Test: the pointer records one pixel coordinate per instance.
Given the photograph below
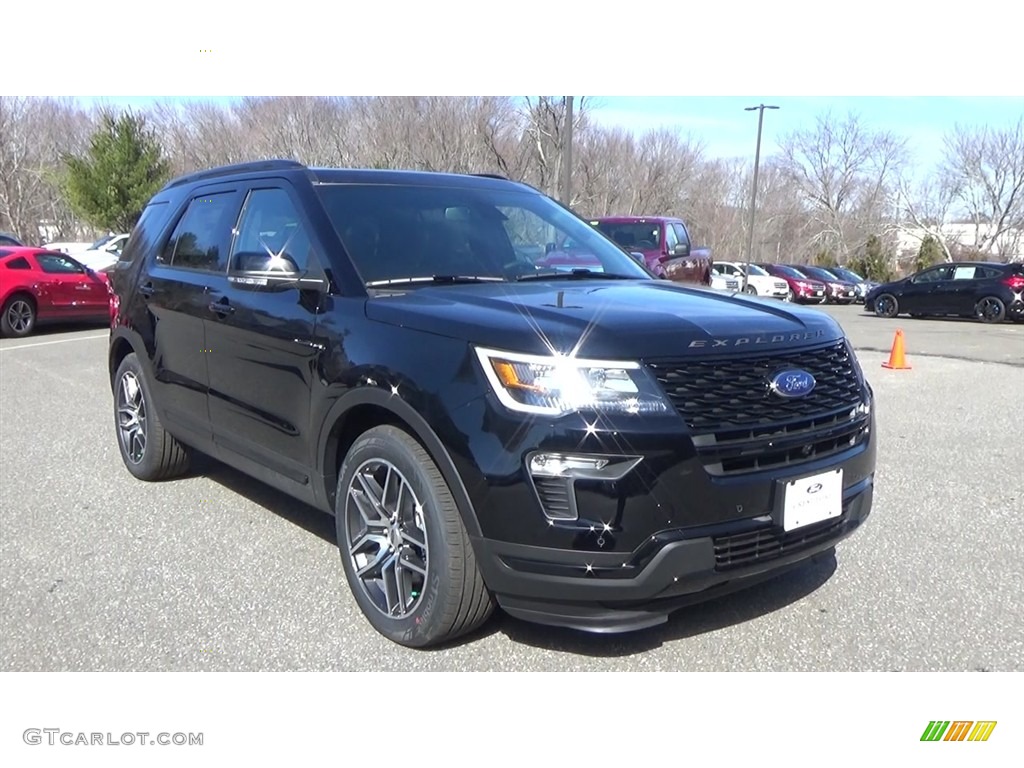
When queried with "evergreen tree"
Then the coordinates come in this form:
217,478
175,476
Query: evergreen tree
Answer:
873,262
123,167
930,253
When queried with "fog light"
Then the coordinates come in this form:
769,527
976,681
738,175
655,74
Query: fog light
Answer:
559,465
554,476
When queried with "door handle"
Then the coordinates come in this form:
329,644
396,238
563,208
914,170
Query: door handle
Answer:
221,307
147,290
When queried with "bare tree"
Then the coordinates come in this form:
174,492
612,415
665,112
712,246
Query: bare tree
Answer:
984,169
843,172
34,132
924,210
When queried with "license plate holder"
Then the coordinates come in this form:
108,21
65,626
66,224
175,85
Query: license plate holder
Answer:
812,499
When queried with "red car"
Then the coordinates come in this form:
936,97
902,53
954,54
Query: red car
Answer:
802,289
39,286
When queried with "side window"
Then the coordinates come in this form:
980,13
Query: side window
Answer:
966,273
118,245
198,240
681,234
934,275
671,239
142,230
19,263
271,236
53,264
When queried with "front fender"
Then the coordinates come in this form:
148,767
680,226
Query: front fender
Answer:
421,430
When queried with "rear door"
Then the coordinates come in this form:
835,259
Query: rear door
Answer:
177,290
957,294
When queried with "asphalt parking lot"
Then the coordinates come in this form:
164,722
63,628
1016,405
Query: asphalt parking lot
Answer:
100,572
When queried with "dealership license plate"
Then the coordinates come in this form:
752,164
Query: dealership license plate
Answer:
810,500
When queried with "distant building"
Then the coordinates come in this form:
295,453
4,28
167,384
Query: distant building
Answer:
963,235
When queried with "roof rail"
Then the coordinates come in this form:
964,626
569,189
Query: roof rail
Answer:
490,176
227,170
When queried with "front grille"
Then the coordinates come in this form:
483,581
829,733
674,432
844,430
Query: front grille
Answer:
764,544
740,426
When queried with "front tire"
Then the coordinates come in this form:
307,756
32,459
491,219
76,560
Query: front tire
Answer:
751,290
18,316
407,557
886,305
148,451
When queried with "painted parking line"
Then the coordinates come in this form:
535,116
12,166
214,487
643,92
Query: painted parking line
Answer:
57,341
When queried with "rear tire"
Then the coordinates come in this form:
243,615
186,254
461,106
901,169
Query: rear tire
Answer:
407,556
990,309
751,290
148,451
18,318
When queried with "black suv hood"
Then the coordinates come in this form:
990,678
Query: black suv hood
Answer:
625,319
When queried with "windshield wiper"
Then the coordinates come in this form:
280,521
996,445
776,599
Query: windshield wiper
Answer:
449,279
577,274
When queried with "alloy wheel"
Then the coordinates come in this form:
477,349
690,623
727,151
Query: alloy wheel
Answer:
387,539
131,418
19,316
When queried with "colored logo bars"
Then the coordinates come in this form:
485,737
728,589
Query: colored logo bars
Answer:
958,730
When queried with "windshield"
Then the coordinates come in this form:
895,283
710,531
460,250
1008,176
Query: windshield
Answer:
101,242
645,237
818,272
395,232
791,272
755,270
848,274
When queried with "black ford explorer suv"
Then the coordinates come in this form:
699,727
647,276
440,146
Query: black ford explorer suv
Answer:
591,449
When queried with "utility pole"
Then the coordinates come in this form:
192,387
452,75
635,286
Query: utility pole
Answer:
753,194
567,154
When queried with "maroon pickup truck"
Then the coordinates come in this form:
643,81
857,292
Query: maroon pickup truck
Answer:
663,241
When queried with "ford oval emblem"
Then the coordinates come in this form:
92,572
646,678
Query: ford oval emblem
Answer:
792,383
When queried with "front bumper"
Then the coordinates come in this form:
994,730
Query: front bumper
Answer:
679,568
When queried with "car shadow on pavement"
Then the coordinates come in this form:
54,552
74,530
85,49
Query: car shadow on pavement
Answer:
294,511
716,614
693,620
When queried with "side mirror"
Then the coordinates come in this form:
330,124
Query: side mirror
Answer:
261,271
638,258
681,249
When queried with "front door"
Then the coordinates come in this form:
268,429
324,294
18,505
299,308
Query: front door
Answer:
261,336
920,293
75,293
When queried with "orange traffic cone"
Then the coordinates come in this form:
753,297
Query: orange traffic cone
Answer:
897,357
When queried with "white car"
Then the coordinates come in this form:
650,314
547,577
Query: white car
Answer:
68,247
759,283
721,282
103,253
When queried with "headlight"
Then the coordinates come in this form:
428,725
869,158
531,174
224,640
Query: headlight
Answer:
553,385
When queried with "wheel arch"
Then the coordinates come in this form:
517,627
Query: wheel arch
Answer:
364,409
120,348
